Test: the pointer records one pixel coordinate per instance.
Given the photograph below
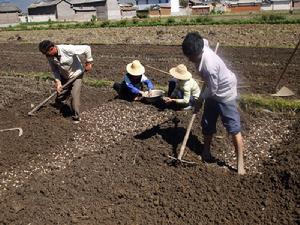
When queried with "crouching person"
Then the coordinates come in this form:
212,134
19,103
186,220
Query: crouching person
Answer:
132,88
65,65
183,89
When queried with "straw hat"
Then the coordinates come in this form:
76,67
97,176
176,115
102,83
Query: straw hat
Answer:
180,72
135,68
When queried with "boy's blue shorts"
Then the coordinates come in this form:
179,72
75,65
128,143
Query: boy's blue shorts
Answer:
229,115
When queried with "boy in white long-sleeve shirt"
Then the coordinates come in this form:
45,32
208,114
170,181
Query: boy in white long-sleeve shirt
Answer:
220,94
65,64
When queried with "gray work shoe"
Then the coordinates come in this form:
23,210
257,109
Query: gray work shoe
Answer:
188,108
76,120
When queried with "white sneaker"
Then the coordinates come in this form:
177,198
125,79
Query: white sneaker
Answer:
188,108
76,120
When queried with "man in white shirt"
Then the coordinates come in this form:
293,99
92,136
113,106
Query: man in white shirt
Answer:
220,94
65,64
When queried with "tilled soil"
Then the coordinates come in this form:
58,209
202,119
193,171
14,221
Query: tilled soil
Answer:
259,35
259,68
114,168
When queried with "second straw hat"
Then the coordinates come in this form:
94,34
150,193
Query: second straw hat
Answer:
180,72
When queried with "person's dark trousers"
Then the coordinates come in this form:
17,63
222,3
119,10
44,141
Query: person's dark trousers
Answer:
171,87
124,92
73,90
179,95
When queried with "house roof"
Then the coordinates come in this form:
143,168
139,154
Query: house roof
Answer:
84,9
200,7
148,6
45,3
201,2
84,1
243,2
8,7
125,2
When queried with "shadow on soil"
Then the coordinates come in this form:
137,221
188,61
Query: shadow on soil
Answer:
174,136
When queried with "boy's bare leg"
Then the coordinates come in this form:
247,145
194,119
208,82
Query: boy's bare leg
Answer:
237,140
206,155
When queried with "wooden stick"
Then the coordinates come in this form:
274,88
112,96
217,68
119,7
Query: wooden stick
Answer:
186,136
31,113
151,67
286,65
164,72
244,86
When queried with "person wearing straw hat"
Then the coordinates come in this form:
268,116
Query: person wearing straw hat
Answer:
183,89
219,94
132,86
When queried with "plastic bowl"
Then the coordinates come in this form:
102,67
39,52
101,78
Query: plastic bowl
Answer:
156,95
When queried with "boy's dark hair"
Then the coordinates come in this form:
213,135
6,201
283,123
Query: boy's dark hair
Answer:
45,45
192,44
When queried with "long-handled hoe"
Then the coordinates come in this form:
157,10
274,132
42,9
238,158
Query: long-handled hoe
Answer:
284,91
31,113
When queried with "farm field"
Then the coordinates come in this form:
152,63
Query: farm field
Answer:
113,168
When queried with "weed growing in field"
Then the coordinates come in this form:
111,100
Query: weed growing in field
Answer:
273,104
170,21
98,83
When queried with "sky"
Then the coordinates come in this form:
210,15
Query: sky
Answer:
22,4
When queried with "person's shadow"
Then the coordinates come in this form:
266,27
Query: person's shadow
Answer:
63,108
174,136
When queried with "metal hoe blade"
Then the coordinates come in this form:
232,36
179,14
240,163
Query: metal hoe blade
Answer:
15,128
181,160
283,92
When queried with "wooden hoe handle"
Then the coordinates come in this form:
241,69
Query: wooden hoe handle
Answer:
286,65
186,136
31,113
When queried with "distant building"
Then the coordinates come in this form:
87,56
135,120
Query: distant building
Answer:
200,9
128,8
74,10
277,5
296,4
160,10
244,6
9,13
166,7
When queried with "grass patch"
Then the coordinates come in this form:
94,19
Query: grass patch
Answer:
226,19
246,101
44,76
273,104
97,83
